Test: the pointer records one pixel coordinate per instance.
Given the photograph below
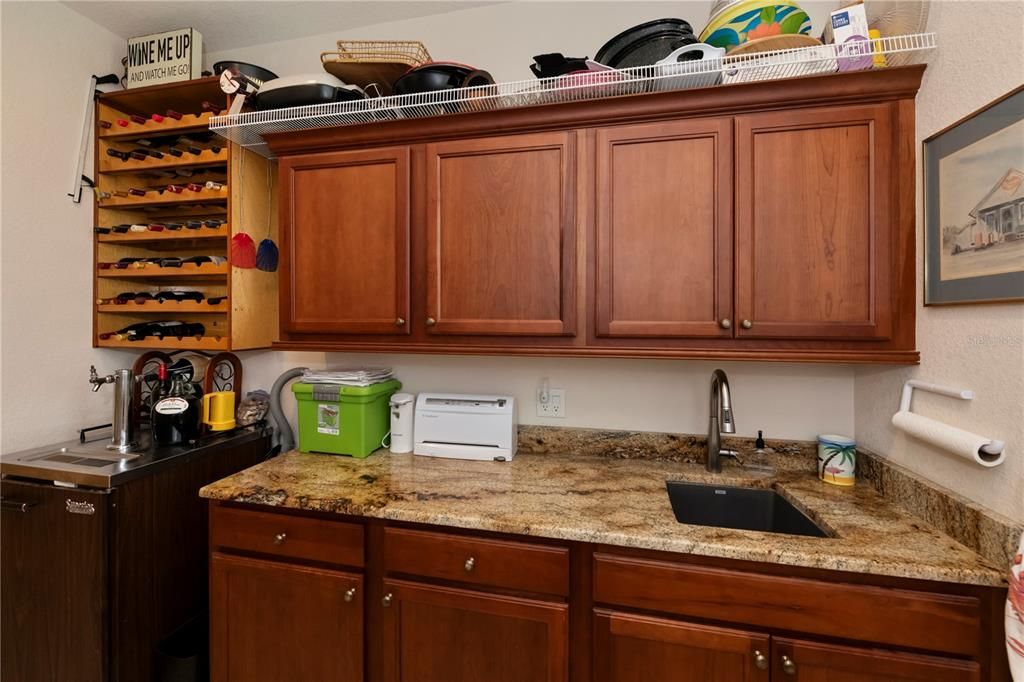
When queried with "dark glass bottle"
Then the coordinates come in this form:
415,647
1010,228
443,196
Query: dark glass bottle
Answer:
175,410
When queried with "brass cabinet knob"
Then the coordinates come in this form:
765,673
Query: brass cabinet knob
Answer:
280,538
760,660
399,321
350,594
386,601
788,666
470,564
746,324
431,322
725,323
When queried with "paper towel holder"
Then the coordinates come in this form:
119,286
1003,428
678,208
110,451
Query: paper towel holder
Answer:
994,448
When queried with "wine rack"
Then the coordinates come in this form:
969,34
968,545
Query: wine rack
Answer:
139,157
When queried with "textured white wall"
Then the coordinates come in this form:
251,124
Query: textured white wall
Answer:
979,347
499,38
48,53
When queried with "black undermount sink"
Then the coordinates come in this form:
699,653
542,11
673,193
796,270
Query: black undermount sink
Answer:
723,506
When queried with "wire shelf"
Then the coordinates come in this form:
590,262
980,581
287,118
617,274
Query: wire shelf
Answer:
248,129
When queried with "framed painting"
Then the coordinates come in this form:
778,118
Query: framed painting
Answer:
974,207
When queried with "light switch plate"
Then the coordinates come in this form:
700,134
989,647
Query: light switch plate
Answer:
555,406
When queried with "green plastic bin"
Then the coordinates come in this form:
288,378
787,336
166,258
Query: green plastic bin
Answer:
343,420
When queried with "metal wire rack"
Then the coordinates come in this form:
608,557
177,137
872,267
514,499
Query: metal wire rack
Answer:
247,129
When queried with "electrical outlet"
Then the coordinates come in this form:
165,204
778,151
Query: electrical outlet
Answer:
555,406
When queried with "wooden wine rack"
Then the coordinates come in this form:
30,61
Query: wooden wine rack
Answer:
247,317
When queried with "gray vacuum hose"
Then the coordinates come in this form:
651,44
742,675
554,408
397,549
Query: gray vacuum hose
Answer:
283,435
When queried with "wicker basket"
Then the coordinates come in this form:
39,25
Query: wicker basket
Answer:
362,62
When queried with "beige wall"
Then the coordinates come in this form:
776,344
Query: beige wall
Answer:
48,53
978,347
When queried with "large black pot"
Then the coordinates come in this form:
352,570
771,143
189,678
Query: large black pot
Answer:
250,70
438,76
646,43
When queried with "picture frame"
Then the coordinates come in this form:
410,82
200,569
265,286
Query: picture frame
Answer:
974,206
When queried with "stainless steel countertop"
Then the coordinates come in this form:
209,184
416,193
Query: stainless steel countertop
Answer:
92,465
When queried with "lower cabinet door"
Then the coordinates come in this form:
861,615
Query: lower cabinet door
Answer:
633,648
275,622
802,661
442,634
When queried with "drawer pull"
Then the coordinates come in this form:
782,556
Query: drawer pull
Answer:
386,601
746,324
399,321
350,594
788,666
470,564
280,538
431,322
760,660
725,323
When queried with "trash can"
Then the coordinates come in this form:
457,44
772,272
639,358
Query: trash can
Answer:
184,655
343,420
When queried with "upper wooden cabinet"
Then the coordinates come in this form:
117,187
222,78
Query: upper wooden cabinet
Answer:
501,235
345,243
766,221
664,229
814,223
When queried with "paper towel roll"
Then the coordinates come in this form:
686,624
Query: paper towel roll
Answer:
957,441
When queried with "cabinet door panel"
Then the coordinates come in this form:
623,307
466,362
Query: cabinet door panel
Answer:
814,223
346,242
501,235
440,634
632,648
830,663
664,229
275,622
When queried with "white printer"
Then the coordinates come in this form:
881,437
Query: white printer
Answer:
481,427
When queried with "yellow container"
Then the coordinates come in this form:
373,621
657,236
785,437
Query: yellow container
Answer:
219,410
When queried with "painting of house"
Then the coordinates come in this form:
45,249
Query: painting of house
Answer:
1002,209
981,206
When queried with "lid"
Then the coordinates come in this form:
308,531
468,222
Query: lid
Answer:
400,399
304,390
836,440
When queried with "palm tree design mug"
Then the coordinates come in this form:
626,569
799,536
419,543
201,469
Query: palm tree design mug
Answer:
837,459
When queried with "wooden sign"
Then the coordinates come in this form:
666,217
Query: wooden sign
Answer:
165,57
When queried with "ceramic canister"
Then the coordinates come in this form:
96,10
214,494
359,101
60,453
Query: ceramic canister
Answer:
837,459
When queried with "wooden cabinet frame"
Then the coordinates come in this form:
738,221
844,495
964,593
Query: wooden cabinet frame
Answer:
397,323
877,119
726,606
437,153
587,324
719,131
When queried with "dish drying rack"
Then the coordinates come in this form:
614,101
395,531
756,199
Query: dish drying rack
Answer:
248,129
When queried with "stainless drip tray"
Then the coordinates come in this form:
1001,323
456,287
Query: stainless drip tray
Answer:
84,457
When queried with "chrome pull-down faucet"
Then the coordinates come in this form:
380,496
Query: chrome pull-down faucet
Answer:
721,420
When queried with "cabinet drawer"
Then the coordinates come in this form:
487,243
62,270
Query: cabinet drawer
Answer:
899,617
498,563
295,537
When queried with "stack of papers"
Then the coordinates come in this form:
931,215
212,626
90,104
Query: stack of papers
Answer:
355,376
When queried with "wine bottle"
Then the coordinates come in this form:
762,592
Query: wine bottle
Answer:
174,414
133,332
138,119
118,154
171,113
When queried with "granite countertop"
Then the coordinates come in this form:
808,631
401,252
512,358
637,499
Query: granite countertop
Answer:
614,500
